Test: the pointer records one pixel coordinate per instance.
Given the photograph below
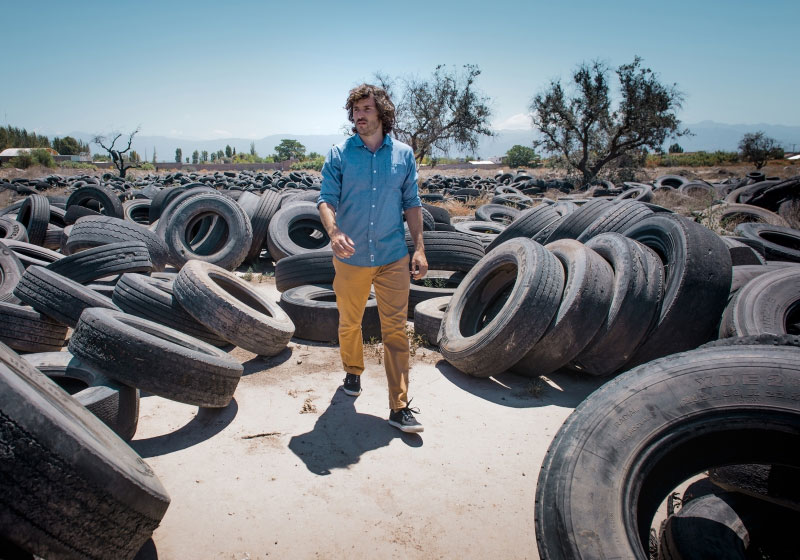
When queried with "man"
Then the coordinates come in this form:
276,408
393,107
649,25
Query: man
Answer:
369,182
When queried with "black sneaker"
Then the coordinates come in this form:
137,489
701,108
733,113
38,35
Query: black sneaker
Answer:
404,420
352,384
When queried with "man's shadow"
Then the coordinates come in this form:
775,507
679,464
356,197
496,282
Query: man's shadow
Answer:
341,435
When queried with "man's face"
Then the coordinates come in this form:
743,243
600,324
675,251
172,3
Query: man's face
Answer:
365,117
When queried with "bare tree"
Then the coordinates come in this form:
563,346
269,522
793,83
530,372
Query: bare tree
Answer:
118,157
441,112
588,133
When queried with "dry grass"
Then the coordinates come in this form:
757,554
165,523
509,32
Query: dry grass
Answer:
681,203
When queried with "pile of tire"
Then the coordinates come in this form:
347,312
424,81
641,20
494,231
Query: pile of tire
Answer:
133,327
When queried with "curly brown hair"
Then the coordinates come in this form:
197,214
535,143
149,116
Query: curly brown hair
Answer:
386,112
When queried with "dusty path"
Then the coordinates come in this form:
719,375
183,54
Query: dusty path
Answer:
293,468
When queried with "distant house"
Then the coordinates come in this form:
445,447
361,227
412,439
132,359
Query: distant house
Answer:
9,153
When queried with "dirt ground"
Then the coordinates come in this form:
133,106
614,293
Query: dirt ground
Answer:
294,468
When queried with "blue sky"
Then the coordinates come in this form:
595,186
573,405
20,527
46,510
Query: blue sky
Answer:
206,70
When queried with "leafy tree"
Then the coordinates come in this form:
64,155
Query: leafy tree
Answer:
675,148
289,149
121,161
220,154
187,159
228,151
588,134
12,137
195,157
758,148
253,149
204,155
135,158
178,155
522,156
440,112
69,146
213,157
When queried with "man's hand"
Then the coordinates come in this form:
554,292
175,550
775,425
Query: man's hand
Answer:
341,245
418,265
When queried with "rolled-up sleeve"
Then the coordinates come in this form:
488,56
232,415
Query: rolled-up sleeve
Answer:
410,190
331,188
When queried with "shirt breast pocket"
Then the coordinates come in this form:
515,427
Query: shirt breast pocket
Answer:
397,174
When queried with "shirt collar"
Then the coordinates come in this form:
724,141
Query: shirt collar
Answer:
387,141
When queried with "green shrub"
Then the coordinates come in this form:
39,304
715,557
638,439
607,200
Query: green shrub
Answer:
22,161
314,164
147,166
77,165
692,159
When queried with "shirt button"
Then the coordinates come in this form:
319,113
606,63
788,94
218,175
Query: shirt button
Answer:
371,223
373,188
374,170
373,206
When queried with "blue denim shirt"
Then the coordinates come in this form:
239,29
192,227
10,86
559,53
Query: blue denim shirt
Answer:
369,192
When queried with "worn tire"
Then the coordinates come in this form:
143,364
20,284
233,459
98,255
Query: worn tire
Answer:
618,218
698,278
584,306
231,308
780,243
572,225
34,214
100,195
152,299
313,311
428,315
231,225
12,230
637,289
767,304
26,330
93,231
527,224
303,269
633,440
29,254
449,250
155,358
296,229
70,487
57,296
496,213
115,404
268,205
501,308
106,260
11,271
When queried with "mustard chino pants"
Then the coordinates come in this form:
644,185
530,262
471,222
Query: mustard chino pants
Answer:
352,286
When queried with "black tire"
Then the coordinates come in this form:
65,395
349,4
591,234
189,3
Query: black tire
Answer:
780,243
527,224
70,487
767,304
313,311
268,205
29,254
115,404
746,213
296,229
435,284
743,273
93,231
11,270
638,436
670,182
303,269
58,297
440,215
428,315
137,210
26,330
155,358
698,278
584,306
231,225
486,232
12,230
74,213
618,218
159,226
575,223
34,214
741,253
775,484
636,191
161,200
102,198
152,299
106,260
453,251
231,308
637,290
501,308
496,213
709,526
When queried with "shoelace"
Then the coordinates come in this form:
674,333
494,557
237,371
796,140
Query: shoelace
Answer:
408,410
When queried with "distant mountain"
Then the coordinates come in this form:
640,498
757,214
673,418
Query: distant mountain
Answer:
707,135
